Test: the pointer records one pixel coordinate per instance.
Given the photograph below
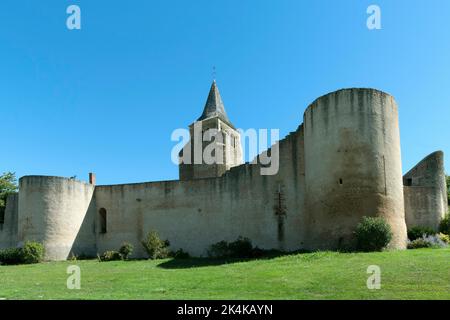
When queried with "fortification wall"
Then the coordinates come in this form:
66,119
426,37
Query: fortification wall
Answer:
425,192
52,210
8,230
195,214
342,164
352,165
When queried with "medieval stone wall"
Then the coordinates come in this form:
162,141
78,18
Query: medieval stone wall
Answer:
52,211
425,192
194,214
8,230
341,164
353,166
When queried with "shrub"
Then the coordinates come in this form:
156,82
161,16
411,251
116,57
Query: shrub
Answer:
241,248
126,250
444,226
110,255
444,237
373,234
72,257
219,249
155,247
436,241
11,256
33,252
81,256
432,241
417,232
419,243
180,254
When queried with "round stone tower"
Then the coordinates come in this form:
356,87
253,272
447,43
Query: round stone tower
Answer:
52,211
352,167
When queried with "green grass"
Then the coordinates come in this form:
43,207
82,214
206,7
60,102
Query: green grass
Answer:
411,274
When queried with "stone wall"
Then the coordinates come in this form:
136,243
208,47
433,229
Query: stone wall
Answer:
341,164
8,230
194,214
353,166
425,192
52,210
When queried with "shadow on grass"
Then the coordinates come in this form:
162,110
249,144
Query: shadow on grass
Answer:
207,262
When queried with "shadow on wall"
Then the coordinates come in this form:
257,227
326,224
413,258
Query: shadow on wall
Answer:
85,243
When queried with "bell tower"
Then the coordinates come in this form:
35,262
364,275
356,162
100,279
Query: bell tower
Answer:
215,144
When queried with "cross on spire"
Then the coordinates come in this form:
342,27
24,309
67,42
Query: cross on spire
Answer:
214,73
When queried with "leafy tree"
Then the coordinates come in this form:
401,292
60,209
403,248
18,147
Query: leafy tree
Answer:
448,189
8,185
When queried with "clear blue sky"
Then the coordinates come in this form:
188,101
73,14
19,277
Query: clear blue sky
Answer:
106,98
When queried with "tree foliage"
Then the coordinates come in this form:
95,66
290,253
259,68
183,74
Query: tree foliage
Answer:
8,185
448,189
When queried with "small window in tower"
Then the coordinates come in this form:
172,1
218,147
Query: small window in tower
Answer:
340,181
102,214
409,182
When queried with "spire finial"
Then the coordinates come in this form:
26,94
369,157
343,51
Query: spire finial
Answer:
214,73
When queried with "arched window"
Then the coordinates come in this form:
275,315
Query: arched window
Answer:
102,214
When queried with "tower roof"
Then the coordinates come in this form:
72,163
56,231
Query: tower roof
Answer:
214,106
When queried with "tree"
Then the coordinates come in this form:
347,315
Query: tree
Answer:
8,185
448,189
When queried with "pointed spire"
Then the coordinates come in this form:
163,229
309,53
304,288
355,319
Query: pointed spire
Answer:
214,106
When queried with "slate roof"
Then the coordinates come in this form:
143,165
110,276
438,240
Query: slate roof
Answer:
214,106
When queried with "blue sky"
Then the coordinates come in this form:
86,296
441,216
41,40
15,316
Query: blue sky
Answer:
106,98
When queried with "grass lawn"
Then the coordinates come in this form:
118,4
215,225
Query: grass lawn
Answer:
411,274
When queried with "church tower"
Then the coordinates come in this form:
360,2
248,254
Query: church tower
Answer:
215,144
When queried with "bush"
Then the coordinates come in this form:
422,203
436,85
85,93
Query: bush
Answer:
180,254
444,226
72,257
373,234
126,250
155,247
417,232
219,249
432,241
81,256
419,243
444,237
11,256
33,252
110,255
241,248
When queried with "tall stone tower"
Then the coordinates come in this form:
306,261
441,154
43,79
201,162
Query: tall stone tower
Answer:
215,144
